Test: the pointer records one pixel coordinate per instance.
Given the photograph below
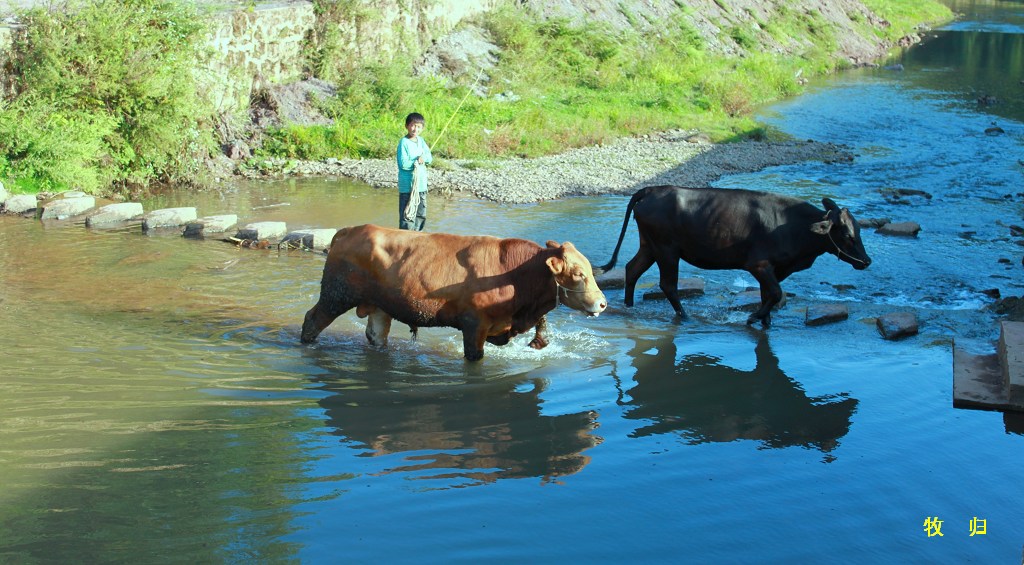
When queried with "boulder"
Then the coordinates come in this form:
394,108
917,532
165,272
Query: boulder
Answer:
113,214
897,325
906,229
4,195
821,314
688,288
168,218
63,208
262,230
20,203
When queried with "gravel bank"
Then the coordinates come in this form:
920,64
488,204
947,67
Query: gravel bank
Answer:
620,167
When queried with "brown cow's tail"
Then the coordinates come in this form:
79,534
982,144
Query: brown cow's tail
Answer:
625,224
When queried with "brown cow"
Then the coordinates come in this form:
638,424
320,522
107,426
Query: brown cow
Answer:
492,289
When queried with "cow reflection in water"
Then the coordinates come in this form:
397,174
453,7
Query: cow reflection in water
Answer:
465,434
706,401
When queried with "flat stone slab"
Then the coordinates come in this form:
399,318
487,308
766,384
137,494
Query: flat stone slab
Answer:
688,288
263,230
20,203
978,381
821,314
611,280
1011,357
168,218
63,208
308,239
905,229
210,224
113,214
897,325
748,301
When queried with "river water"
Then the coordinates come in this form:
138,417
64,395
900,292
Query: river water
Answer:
156,406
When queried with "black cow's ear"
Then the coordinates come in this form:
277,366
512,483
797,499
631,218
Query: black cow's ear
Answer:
829,204
822,227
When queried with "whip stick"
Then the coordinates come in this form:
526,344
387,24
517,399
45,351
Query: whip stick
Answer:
470,91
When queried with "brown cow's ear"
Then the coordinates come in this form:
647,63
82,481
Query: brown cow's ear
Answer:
553,244
821,228
556,264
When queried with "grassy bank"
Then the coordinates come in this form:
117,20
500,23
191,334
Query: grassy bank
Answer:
101,94
582,85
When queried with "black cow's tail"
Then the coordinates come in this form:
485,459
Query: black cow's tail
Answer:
625,224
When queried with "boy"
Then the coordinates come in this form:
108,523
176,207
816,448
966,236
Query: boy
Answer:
413,156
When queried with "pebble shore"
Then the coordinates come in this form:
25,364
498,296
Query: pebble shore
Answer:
620,167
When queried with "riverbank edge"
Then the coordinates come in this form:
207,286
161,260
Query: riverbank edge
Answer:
620,167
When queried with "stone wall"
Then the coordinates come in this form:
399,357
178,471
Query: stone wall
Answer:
261,43
249,48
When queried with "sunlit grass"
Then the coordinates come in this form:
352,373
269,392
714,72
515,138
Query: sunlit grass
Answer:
577,85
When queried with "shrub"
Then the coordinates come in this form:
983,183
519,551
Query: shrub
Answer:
104,94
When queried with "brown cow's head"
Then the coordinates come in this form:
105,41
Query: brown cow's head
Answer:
844,233
574,278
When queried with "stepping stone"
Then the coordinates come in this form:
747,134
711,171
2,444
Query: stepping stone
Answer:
905,229
748,300
308,239
1011,356
262,230
113,214
897,325
168,218
977,381
994,381
688,288
210,224
613,279
821,314
63,208
20,203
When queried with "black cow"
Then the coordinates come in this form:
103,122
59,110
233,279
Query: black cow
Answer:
768,235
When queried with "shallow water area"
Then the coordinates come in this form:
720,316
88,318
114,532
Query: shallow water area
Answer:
156,404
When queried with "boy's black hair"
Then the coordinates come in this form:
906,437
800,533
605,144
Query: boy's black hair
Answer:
414,117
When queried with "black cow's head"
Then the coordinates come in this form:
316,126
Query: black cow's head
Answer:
844,233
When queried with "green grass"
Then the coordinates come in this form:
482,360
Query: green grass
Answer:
580,85
102,95
904,15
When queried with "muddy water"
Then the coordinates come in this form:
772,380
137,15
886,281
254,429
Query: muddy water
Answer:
155,404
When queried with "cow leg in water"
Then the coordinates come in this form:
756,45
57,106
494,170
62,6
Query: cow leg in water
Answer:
319,317
378,326
539,340
771,293
669,282
636,267
335,299
474,334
